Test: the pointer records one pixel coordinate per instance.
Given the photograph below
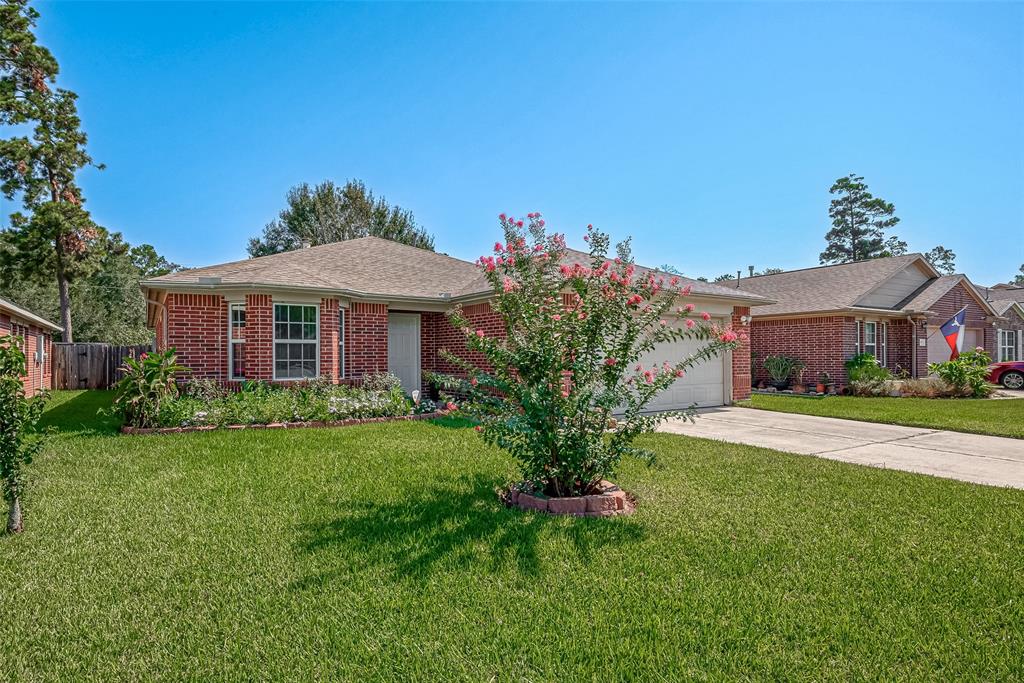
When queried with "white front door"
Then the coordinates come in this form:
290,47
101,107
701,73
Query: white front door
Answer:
404,349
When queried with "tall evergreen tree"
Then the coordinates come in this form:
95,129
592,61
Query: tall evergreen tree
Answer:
328,213
57,239
1019,278
859,222
942,260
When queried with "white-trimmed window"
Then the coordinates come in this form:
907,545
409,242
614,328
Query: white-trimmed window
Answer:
341,342
296,341
873,338
236,341
1008,345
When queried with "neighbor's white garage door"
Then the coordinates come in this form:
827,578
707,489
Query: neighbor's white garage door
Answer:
704,384
938,349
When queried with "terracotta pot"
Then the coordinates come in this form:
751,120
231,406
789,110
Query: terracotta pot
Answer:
820,388
799,388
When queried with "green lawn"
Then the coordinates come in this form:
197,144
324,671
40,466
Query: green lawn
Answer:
379,552
978,416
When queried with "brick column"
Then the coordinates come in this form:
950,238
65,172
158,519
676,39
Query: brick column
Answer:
366,339
329,339
198,330
741,376
259,336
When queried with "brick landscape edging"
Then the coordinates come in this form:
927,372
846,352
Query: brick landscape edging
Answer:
611,502
282,425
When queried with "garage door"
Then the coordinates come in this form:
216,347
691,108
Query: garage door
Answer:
704,384
938,349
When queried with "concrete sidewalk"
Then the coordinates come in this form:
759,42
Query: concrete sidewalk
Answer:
994,460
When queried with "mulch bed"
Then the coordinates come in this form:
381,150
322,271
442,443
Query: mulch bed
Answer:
282,425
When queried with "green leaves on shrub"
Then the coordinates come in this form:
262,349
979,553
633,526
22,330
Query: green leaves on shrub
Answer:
864,367
967,374
19,441
147,384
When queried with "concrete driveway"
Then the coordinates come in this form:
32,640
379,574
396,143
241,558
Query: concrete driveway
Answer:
994,460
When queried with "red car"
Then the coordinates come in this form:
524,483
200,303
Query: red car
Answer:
1008,373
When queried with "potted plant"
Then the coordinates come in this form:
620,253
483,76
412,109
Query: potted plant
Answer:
798,369
824,382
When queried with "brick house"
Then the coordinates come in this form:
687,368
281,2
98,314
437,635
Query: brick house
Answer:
889,307
1008,302
367,305
37,342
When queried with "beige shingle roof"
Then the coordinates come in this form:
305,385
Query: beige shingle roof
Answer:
374,267
12,308
368,265
932,291
824,288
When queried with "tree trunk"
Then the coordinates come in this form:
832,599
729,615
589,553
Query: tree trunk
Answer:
64,289
15,524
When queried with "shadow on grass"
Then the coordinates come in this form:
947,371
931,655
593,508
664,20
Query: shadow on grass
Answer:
77,412
459,525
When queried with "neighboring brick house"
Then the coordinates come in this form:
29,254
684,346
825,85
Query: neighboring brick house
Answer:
350,308
37,343
1008,302
889,307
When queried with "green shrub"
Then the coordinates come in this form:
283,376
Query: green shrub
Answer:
781,368
864,367
381,381
19,441
147,384
967,375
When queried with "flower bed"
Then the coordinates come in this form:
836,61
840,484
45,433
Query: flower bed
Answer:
126,429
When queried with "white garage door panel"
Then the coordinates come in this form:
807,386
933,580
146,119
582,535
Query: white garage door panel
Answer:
704,384
938,349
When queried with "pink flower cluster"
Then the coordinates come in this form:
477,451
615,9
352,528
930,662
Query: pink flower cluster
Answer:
651,374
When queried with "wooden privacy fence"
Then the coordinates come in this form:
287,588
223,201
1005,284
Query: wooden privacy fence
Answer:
90,366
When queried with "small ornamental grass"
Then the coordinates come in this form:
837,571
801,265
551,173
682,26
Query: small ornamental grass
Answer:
565,389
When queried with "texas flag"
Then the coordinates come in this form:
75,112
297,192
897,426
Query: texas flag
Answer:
952,330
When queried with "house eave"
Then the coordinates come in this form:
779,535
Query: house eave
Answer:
20,312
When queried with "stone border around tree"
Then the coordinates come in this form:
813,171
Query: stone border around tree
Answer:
281,425
610,502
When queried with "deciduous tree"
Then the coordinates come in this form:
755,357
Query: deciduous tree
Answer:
942,260
327,213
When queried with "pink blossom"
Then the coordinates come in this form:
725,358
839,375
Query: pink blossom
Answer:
498,248
478,428
501,216
556,317
685,291
609,361
663,322
565,270
639,367
649,377
565,392
538,247
689,308
634,300
480,333
474,381
705,315
729,336
586,238
519,224
679,373
541,222
581,315
689,324
451,406
508,285
673,282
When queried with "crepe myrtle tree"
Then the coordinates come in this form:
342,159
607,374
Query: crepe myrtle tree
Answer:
564,389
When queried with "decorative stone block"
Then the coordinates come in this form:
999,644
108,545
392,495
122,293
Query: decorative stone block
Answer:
575,505
530,502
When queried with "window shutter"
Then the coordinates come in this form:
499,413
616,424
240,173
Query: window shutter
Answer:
885,344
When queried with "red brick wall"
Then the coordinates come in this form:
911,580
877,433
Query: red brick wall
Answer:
329,338
741,374
259,337
823,343
479,317
39,376
197,328
430,323
366,339
955,299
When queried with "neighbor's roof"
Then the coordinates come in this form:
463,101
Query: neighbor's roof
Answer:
823,288
373,267
696,286
12,308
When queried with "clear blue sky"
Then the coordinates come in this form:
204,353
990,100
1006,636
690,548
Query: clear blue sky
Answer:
709,132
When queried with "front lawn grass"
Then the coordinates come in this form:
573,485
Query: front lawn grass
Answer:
380,552
1003,417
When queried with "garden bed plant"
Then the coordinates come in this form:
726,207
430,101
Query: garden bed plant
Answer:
150,398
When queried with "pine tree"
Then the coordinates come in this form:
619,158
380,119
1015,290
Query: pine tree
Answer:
859,221
942,260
